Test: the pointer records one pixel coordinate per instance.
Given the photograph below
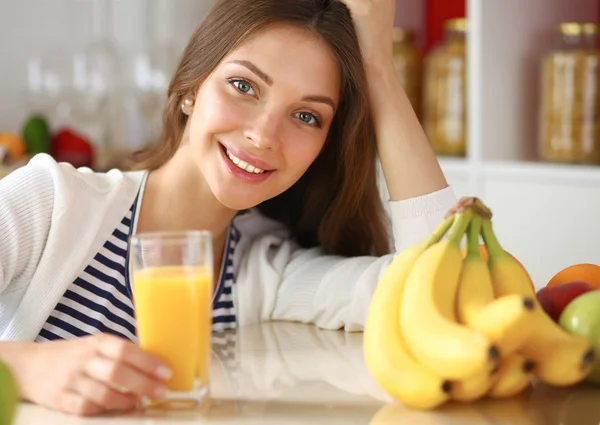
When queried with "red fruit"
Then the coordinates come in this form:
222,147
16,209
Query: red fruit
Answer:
69,146
554,299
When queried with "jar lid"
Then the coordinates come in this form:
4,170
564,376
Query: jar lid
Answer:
590,28
400,35
457,24
570,28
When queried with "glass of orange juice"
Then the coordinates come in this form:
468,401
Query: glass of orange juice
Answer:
172,282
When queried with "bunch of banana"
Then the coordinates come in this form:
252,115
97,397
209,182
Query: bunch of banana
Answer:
445,326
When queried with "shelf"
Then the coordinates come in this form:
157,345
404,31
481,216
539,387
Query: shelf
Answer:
454,164
504,71
546,172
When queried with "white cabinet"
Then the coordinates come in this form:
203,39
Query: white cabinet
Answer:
548,224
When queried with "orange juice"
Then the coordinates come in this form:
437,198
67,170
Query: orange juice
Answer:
174,314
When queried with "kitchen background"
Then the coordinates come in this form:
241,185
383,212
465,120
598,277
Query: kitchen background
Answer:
509,99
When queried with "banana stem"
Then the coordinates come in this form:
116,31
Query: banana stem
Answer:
494,248
473,236
460,225
435,236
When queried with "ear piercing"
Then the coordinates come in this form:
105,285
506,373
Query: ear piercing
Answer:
187,106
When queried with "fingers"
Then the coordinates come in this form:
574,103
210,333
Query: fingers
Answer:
113,376
76,404
99,394
124,351
117,373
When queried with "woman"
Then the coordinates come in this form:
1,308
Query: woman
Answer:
272,126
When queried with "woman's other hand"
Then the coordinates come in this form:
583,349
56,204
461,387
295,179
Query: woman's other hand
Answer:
374,22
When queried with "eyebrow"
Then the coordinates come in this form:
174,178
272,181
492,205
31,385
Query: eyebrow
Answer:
269,81
320,99
262,75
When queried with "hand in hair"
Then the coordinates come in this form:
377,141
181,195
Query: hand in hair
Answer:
409,164
373,21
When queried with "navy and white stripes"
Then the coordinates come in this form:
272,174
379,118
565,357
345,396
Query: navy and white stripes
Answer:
100,299
223,308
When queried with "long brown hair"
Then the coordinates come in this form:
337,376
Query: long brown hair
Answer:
336,203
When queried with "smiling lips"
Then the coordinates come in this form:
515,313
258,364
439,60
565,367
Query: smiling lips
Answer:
242,168
243,164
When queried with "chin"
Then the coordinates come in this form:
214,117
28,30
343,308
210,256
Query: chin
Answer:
236,199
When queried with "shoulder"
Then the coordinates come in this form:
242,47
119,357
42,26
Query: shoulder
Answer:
65,175
69,191
43,175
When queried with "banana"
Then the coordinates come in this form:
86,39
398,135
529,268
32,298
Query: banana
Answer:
514,376
386,355
444,346
472,388
505,320
561,359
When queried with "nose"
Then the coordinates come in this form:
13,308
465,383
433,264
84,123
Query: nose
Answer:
264,131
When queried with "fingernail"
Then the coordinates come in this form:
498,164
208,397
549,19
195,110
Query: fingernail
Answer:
160,392
163,372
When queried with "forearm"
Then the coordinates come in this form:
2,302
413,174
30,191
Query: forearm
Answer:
18,356
409,164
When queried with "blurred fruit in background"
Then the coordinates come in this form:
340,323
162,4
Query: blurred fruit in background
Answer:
555,298
13,148
36,133
70,146
64,145
585,272
582,317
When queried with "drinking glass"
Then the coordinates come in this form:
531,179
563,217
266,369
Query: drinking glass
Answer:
172,282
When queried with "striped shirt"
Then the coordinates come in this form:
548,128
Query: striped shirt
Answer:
100,299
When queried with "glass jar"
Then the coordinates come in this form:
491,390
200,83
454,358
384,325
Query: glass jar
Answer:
445,91
408,62
569,119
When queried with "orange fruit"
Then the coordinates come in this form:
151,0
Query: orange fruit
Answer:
14,145
585,272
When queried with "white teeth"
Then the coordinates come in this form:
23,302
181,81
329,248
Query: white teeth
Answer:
243,164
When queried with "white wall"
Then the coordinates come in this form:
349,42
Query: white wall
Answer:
55,27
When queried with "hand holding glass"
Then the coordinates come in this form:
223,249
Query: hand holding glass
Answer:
172,293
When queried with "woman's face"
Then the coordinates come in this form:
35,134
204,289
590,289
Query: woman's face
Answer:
262,116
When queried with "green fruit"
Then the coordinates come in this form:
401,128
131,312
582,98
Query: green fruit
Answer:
36,134
582,317
9,395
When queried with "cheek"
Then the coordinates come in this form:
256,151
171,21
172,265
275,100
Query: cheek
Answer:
302,150
214,113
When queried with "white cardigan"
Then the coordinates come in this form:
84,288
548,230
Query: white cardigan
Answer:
54,218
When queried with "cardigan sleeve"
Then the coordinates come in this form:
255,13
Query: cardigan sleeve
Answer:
278,280
26,204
